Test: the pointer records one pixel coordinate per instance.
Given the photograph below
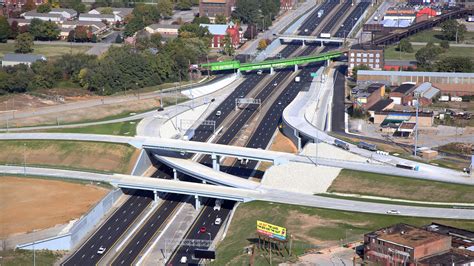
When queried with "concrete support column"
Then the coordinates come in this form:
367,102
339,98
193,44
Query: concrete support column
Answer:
296,68
156,197
204,182
175,174
272,71
238,72
322,44
304,44
215,162
197,203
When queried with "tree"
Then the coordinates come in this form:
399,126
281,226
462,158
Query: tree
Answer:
5,30
405,46
118,39
247,11
106,11
94,38
228,47
165,7
155,40
357,68
220,19
24,43
29,5
455,64
251,32
142,16
193,30
44,8
262,44
14,30
81,34
142,40
444,44
427,55
183,5
201,20
453,31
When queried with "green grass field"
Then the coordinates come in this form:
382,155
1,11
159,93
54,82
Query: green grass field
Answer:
311,228
25,257
354,182
437,36
49,51
391,53
121,128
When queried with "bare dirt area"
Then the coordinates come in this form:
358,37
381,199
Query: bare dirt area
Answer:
97,156
94,113
280,143
29,204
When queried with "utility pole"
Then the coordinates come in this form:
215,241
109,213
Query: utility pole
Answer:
417,97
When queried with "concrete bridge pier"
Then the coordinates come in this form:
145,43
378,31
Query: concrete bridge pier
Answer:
272,71
322,44
215,161
175,174
296,68
156,197
303,44
197,202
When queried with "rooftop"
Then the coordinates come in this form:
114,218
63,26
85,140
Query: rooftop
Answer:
68,10
374,86
404,88
27,58
413,73
163,26
98,24
407,235
381,105
365,47
427,90
453,257
461,237
86,15
216,29
41,15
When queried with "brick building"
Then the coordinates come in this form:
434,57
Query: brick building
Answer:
371,95
212,8
371,56
425,119
403,244
220,31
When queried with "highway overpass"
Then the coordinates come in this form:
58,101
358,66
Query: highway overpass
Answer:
263,193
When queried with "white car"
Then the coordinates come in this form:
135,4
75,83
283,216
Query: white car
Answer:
183,260
218,221
275,84
393,212
101,250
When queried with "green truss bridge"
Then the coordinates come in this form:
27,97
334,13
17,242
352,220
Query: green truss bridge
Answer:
271,64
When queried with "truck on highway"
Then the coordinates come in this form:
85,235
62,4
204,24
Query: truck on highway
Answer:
367,146
297,79
325,35
341,144
444,98
407,166
320,13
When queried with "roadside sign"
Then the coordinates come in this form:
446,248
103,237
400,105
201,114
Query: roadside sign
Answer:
271,230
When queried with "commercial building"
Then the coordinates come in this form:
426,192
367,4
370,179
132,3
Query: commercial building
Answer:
425,119
367,97
401,94
213,8
94,27
449,83
119,13
67,13
109,18
371,56
17,59
164,29
403,244
58,18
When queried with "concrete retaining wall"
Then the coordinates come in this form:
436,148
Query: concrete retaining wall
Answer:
143,164
62,242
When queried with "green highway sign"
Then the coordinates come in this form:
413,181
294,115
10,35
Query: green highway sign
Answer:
313,74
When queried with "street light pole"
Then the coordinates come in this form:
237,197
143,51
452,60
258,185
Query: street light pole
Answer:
24,159
417,97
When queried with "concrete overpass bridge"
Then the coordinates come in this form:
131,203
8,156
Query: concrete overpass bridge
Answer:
262,193
313,39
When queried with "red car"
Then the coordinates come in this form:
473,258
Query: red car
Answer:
202,230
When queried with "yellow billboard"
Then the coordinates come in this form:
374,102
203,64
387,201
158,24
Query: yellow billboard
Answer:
271,230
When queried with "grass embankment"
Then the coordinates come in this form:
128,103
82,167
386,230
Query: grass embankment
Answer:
121,128
391,53
310,227
49,51
90,156
354,182
25,257
437,36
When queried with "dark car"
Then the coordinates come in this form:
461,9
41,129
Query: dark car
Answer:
160,109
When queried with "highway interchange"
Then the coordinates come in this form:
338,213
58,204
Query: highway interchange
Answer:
261,87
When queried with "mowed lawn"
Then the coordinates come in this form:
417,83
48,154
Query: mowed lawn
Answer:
312,229
391,53
49,51
437,36
80,155
354,182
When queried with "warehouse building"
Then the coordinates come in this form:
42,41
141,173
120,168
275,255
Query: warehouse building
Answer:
449,83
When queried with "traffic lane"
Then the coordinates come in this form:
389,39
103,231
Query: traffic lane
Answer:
206,219
350,21
130,253
111,230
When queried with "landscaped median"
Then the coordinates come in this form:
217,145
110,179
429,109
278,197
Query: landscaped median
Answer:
78,155
311,228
